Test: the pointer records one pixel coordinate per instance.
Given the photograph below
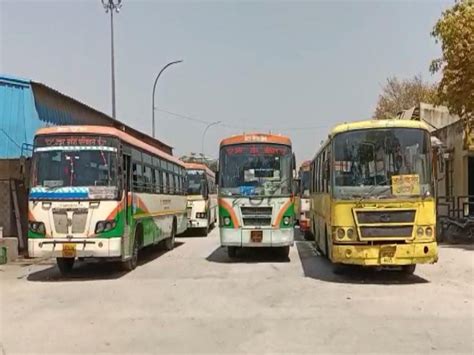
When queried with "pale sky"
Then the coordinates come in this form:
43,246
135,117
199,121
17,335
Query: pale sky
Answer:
295,68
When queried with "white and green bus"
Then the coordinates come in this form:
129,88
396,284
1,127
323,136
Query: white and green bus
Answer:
202,197
256,204
100,192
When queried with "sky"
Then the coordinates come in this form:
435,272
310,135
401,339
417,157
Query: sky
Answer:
289,67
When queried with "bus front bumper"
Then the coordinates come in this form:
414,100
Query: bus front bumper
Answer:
270,237
386,254
81,248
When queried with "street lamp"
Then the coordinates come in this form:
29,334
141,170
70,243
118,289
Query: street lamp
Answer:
111,6
204,133
153,94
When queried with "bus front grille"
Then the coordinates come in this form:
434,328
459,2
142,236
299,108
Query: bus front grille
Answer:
257,221
256,216
79,219
397,216
387,232
60,222
77,223
189,212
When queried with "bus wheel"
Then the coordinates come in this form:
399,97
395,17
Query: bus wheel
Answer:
132,262
409,269
169,242
232,252
65,265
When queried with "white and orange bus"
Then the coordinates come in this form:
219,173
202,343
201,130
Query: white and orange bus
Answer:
202,197
256,204
99,192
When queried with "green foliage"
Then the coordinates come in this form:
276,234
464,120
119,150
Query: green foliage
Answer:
398,95
455,31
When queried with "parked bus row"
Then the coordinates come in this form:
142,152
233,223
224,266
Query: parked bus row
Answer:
366,197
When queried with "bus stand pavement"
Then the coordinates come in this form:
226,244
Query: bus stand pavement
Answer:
194,299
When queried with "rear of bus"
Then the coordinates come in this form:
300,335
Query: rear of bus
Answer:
201,197
256,206
304,199
381,205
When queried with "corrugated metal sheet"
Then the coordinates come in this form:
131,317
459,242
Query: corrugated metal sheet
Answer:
26,106
18,117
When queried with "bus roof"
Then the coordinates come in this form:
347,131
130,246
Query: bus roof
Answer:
256,138
199,166
367,124
109,131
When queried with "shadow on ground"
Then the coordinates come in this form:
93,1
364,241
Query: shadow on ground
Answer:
96,270
195,233
320,268
247,255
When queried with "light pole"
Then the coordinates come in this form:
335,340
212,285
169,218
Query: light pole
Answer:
111,6
153,94
204,133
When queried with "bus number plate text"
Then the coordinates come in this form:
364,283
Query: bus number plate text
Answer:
69,250
256,236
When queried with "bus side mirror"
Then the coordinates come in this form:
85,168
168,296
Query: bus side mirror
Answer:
293,162
217,178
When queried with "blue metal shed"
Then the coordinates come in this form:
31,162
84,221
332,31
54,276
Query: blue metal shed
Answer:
26,106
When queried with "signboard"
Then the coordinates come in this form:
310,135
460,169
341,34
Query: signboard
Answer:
73,140
405,185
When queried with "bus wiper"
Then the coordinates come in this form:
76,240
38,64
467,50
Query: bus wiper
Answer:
372,189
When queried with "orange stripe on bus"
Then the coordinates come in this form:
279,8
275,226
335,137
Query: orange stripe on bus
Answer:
231,211
282,211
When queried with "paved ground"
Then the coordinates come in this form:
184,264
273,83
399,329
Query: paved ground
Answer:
193,299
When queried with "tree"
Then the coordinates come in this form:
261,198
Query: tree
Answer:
455,31
398,95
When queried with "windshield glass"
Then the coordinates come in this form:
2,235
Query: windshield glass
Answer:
255,169
382,163
195,178
305,183
63,162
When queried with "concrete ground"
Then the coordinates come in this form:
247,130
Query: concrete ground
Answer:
195,300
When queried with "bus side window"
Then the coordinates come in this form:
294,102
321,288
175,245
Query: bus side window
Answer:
147,185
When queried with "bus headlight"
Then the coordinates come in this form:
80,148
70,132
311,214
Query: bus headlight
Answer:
419,231
104,226
340,233
200,214
286,220
37,227
226,221
429,231
350,233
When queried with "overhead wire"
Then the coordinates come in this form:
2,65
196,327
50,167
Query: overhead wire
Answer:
239,127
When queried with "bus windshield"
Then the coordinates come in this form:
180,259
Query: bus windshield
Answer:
195,179
382,163
58,164
259,169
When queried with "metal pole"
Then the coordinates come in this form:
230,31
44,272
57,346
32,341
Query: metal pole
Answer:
112,5
204,133
113,61
153,95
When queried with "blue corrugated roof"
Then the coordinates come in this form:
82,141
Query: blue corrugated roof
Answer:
18,117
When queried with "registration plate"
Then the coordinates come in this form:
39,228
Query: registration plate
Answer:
387,254
256,236
69,250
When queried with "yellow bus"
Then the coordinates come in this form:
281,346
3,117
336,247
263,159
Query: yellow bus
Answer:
372,199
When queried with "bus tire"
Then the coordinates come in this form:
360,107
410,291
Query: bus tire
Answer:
409,269
232,252
169,242
308,236
132,262
65,265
